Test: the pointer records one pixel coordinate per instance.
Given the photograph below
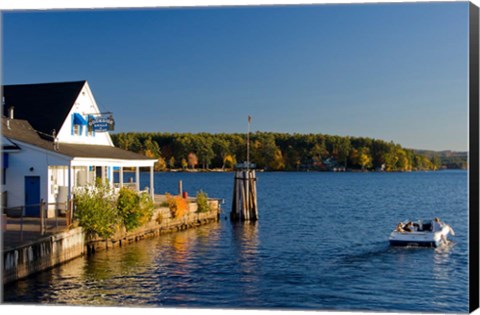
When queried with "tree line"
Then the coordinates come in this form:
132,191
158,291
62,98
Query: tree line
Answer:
274,151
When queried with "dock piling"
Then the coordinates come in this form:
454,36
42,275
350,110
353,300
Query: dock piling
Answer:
244,201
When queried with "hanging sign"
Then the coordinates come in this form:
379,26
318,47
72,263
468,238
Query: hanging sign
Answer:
101,123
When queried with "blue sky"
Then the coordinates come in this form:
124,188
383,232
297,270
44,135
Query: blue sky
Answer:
397,72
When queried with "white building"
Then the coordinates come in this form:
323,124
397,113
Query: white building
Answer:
55,139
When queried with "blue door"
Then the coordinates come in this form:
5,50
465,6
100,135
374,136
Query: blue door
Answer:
32,196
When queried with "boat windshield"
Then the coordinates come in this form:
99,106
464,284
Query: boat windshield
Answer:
426,226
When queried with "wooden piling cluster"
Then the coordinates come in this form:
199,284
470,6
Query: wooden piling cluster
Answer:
244,201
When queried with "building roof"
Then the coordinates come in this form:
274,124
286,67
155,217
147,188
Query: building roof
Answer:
45,106
8,145
21,130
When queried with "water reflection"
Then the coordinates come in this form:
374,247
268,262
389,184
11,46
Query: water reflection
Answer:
325,252
441,262
179,271
117,262
246,244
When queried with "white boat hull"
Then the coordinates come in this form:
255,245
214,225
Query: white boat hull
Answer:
422,238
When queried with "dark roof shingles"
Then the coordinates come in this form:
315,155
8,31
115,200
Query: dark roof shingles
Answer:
45,106
21,130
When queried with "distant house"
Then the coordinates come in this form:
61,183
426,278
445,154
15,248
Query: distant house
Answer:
54,140
331,164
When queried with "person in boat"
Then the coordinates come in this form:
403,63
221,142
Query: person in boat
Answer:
409,227
416,226
400,227
437,224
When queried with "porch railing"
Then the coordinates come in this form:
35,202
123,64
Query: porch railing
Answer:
15,220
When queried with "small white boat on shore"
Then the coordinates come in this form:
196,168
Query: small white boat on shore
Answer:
428,233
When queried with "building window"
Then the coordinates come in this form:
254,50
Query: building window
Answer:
77,123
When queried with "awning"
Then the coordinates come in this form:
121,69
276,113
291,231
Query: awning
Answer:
79,120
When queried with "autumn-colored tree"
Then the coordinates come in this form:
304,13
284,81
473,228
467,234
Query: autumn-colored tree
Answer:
277,163
391,159
171,162
192,160
423,163
160,165
221,150
403,164
184,163
364,158
435,162
151,148
229,161
308,150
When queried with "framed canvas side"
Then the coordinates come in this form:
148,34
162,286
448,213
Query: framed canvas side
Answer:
474,158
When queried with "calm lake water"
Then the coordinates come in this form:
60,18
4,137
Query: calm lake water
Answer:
321,243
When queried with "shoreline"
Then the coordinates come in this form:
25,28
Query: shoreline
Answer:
296,171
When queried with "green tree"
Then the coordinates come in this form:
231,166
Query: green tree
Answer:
265,151
292,159
343,147
128,141
220,150
204,151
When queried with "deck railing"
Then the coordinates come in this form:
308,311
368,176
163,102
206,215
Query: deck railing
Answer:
14,219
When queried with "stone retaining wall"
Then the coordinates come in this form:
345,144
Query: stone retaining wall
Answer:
161,222
51,251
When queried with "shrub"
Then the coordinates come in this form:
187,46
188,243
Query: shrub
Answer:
134,210
146,207
96,211
127,205
202,202
164,204
100,212
178,205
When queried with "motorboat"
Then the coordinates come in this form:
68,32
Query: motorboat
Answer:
428,233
